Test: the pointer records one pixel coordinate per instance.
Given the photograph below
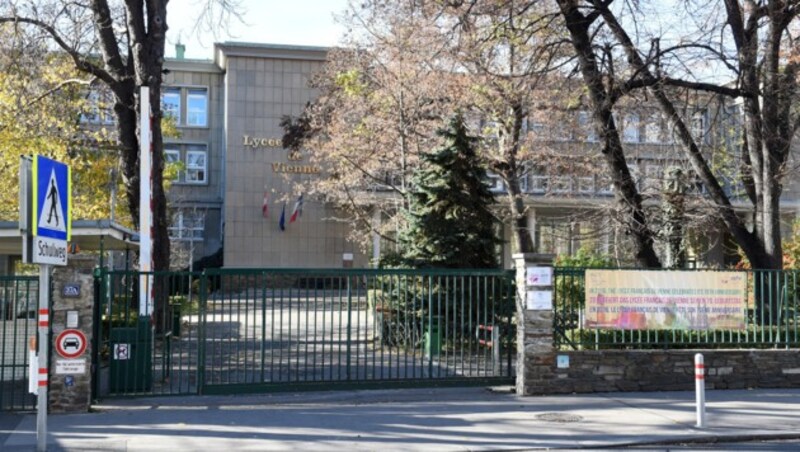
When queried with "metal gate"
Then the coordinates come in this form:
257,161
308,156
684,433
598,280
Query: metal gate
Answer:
19,300
277,329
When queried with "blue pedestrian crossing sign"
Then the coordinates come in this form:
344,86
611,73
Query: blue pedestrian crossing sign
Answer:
52,210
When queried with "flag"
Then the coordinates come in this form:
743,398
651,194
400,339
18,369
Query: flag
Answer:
265,206
298,209
282,222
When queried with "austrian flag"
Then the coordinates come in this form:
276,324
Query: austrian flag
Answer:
298,209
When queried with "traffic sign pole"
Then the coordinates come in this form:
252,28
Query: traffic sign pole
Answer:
44,327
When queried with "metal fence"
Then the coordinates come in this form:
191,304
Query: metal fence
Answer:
272,329
19,299
772,318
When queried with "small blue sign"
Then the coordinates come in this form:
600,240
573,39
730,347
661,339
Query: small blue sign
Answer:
51,199
69,381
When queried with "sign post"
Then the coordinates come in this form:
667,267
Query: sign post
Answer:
45,223
44,352
145,206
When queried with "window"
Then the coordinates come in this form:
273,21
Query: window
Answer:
523,183
605,186
652,129
561,184
188,106
654,177
636,174
98,108
495,182
585,185
630,131
196,164
539,183
699,126
586,125
193,160
172,157
171,103
536,128
187,225
197,107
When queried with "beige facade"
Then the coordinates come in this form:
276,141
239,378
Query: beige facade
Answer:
251,87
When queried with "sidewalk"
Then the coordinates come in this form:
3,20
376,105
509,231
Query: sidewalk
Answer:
418,419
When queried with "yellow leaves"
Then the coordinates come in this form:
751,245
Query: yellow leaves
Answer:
350,82
39,115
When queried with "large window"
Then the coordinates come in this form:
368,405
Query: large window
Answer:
196,164
187,224
188,106
197,107
192,160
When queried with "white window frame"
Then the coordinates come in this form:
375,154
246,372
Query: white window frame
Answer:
653,176
201,169
186,233
523,183
630,129
176,152
557,181
586,125
95,114
636,174
495,182
699,126
653,129
539,184
192,92
605,186
167,92
585,185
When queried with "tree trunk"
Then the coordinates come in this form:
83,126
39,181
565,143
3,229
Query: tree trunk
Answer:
625,187
520,233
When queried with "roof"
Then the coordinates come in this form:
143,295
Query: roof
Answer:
223,50
89,235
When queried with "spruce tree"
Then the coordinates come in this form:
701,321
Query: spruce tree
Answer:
449,220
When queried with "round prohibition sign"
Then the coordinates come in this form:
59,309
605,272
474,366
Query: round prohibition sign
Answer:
71,344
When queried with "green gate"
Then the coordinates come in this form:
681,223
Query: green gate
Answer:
278,329
19,300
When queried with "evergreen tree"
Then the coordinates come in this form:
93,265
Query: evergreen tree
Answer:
450,223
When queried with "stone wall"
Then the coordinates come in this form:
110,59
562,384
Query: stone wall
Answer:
71,393
668,370
543,370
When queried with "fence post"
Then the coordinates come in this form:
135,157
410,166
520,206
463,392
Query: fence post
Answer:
72,313
535,348
496,347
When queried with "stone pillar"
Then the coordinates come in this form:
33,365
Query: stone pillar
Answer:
536,357
72,308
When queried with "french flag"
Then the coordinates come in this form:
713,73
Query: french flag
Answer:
265,206
298,209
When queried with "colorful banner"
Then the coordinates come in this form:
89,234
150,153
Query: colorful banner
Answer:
665,300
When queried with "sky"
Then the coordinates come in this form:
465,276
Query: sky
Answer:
298,22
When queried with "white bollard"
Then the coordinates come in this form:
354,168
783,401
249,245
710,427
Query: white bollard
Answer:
700,389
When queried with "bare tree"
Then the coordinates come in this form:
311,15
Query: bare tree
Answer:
411,64
738,51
